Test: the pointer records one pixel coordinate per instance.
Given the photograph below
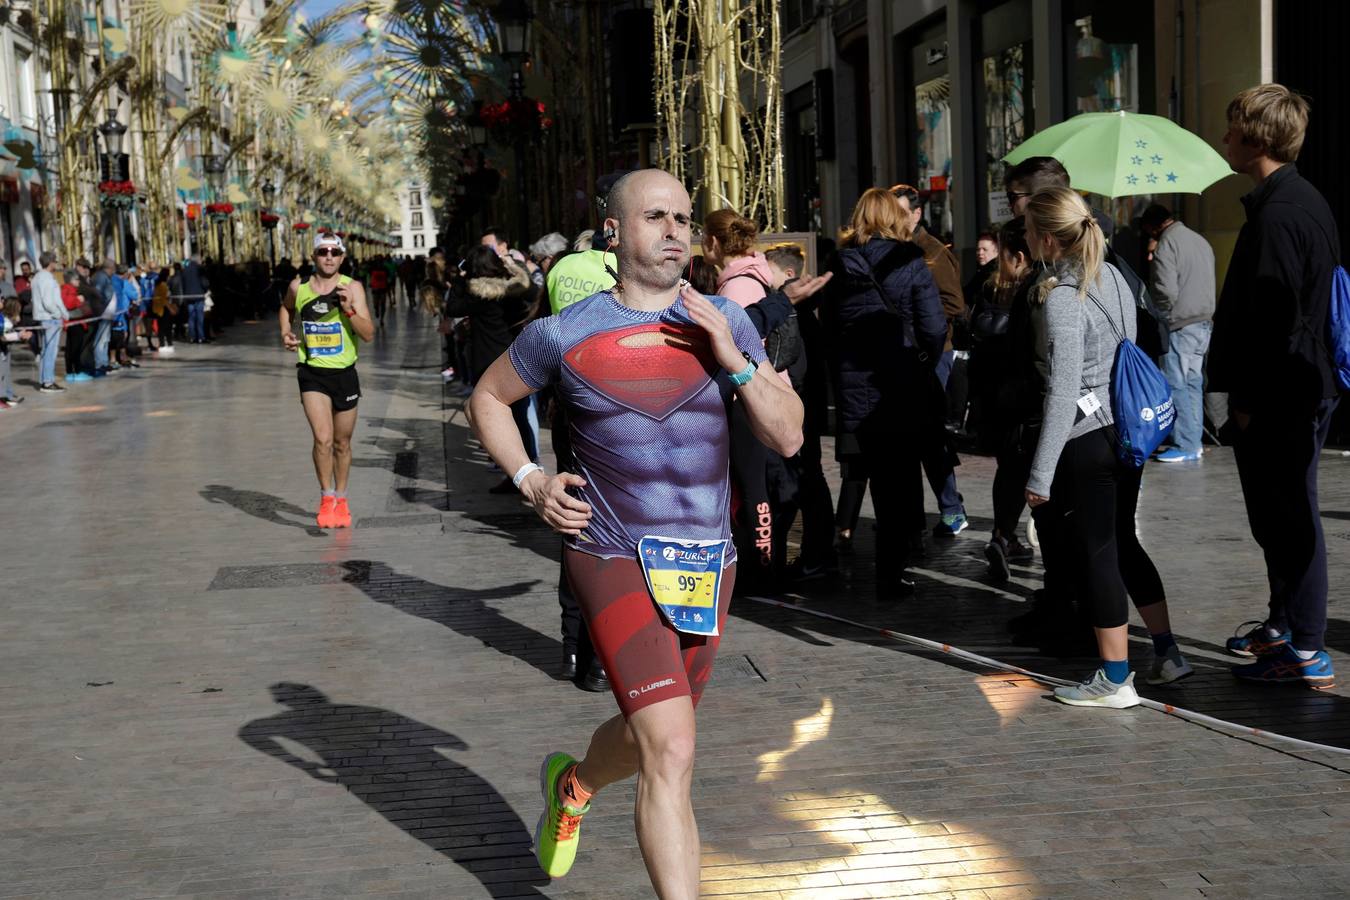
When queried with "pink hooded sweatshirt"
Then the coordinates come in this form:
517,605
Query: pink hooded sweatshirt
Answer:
740,281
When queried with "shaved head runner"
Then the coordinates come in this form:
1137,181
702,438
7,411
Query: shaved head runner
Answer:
647,371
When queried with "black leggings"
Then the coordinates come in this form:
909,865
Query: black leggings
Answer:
164,328
1089,522
895,475
852,488
1016,447
74,348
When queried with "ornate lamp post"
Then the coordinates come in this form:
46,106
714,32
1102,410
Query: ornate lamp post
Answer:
513,32
214,167
269,221
117,172
477,128
300,226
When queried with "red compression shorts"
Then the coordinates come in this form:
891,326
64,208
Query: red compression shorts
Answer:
647,661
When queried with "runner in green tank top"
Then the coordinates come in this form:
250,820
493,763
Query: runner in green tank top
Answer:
332,313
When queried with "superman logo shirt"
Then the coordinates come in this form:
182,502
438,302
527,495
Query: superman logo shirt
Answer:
647,408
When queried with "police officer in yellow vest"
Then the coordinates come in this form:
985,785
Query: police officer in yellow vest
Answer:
332,313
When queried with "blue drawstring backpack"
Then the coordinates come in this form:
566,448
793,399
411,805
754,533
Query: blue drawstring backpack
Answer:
1338,322
1141,399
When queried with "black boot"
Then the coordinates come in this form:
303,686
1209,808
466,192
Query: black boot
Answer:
568,670
596,680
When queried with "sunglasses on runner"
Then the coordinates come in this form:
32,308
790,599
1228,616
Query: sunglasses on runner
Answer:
328,251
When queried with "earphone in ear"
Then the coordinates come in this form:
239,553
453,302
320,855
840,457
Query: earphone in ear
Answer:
611,235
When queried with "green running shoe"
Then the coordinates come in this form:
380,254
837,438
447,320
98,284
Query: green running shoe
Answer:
559,829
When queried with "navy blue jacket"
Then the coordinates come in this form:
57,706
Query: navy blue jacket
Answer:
882,350
194,282
1269,347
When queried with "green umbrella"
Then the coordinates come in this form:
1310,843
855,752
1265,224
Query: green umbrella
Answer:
1119,153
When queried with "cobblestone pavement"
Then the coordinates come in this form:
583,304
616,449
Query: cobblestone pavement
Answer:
202,694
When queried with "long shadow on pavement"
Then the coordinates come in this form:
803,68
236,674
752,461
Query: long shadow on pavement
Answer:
263,506
393,764
955,604
461,610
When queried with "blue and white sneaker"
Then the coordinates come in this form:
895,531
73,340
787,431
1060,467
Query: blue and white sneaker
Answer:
1176,454
1100,691
1169,667
1260,641
1285,666
951,526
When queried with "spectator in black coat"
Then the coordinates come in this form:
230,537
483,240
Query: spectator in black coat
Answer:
884,330
1269,352
492,299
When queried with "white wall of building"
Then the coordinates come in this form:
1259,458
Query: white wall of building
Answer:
416,228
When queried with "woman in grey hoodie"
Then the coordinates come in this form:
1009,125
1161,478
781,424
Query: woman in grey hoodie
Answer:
1078,485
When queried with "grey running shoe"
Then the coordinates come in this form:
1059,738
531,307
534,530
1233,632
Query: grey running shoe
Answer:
1169,667
1100,691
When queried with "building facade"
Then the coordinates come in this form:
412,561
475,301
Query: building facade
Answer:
416,231
22,110
934,92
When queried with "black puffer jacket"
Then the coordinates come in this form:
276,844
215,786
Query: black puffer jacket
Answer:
488,304
882,350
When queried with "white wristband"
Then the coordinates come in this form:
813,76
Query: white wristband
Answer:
524,471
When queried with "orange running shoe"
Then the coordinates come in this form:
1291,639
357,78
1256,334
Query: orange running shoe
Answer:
326,507
342,516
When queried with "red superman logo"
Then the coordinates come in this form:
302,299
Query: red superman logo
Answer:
653,368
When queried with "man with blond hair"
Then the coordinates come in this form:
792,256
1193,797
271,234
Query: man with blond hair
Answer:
1270,353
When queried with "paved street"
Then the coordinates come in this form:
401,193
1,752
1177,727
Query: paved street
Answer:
203,694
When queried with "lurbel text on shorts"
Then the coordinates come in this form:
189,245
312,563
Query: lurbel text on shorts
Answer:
656,685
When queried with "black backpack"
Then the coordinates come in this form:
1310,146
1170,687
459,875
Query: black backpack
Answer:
783,345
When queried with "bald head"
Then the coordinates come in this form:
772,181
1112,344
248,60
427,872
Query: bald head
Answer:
629,189
648,215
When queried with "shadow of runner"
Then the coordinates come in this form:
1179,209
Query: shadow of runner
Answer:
460,610
392,764
262,506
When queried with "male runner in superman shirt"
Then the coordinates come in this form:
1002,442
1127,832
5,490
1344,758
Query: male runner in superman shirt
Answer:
647,371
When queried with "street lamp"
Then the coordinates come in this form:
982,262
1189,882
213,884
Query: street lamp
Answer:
113,132
477,129
513,34
513,28
214,165
269,190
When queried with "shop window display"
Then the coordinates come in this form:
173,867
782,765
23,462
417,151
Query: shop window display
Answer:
933,139
1108,60
1005,121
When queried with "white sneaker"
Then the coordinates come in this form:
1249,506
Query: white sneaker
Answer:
1169,667
1100,691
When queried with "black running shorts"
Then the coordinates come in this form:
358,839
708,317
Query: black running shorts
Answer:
340,385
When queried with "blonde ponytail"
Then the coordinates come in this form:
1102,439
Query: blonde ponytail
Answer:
1063,214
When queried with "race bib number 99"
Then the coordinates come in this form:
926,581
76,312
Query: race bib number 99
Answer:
685,580
323,338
